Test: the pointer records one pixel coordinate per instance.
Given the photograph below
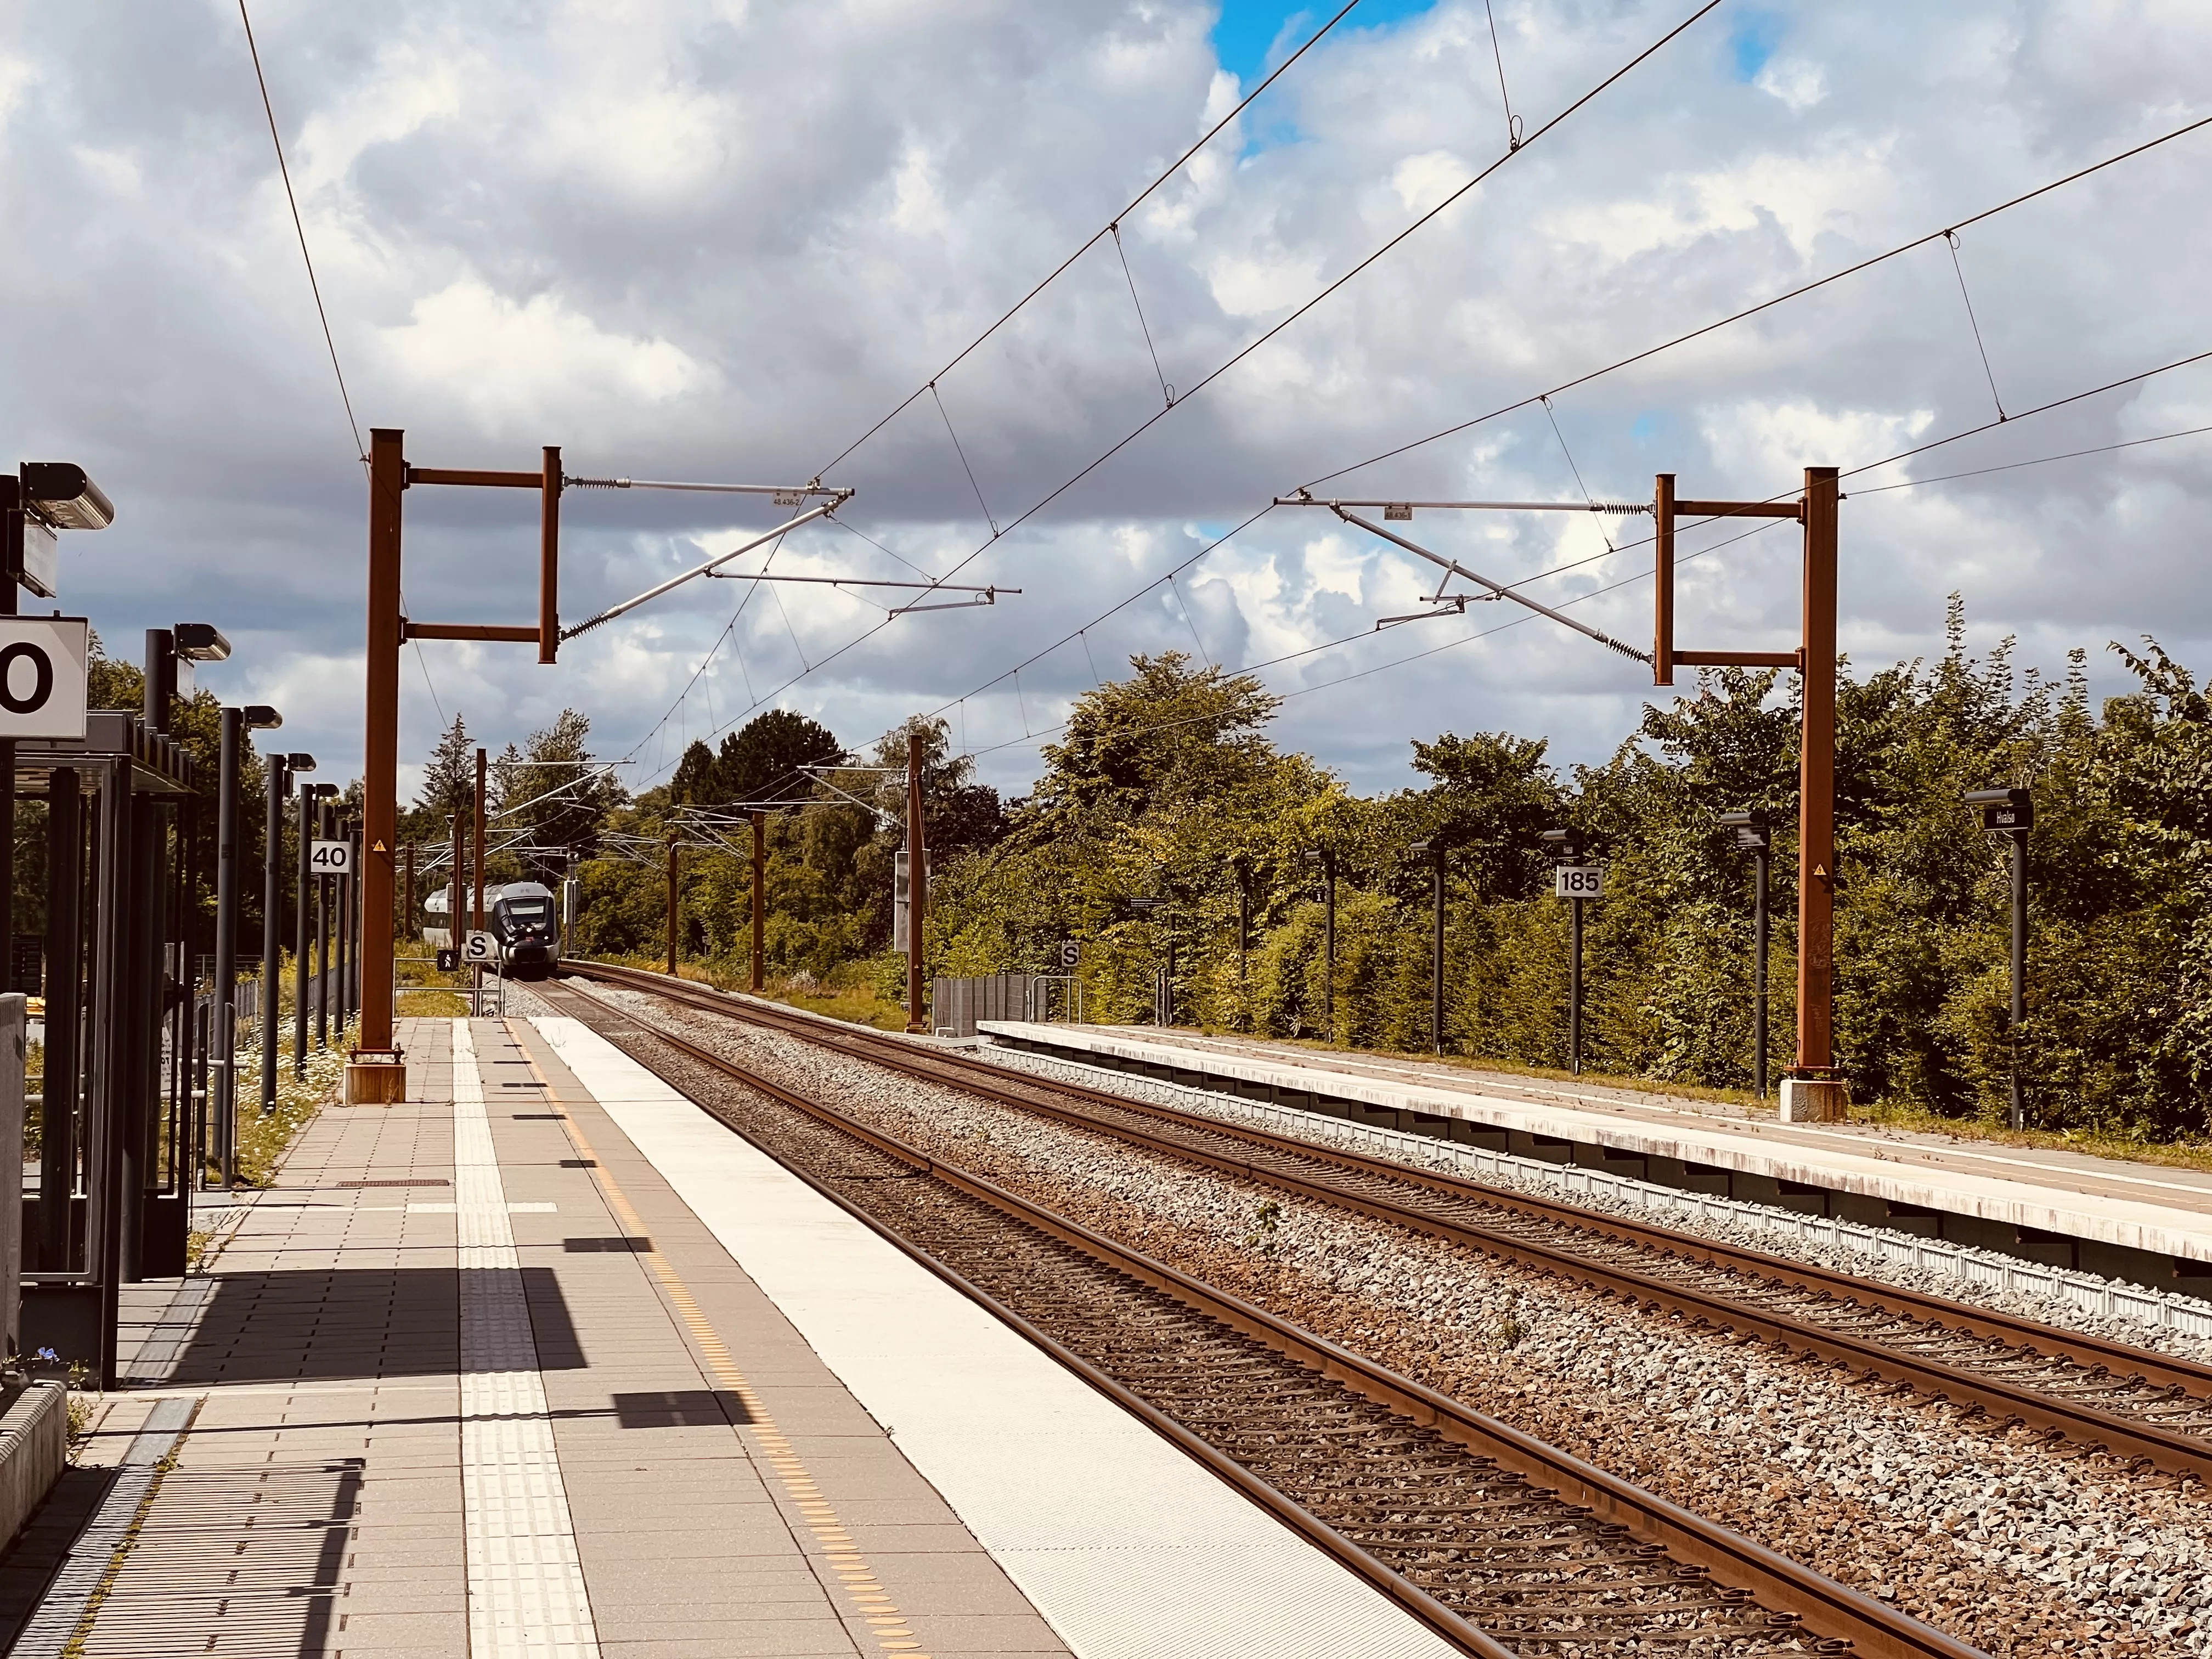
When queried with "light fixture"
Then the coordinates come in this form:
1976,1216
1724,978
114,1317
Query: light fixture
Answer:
260,717
60,493
298,762
201,642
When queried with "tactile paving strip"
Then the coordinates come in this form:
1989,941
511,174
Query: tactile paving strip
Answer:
526,1583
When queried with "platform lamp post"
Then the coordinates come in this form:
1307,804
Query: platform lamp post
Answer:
1324,859
282,768
1755,836
1567,882
2011,813
312,797
229,900
41,498
1433,850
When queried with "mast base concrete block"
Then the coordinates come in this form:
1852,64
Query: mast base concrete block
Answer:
377,1082
1814,1100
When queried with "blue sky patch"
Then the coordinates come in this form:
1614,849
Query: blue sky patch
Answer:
1247,34
1752,42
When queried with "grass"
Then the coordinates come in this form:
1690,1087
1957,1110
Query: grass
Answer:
265,1137
844,995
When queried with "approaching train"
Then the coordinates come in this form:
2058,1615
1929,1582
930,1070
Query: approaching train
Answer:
519,914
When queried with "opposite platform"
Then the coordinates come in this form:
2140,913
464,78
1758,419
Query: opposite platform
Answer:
2146,1223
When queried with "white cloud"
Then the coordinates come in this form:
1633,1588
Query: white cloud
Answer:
1424,181
701,238
1797,83
499,359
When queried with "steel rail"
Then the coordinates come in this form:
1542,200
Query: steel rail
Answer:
1826,1608
2168,1449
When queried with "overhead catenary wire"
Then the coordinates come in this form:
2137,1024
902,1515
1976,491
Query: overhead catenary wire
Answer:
1951,238
298,230
1642,355
1167,391
1769,303
1091,241
1645,575
2039,461
322,314
999,532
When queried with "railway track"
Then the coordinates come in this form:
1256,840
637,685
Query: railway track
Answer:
2105,1397
1505,1546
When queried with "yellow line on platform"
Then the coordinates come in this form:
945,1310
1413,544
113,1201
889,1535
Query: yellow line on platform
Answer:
873,1603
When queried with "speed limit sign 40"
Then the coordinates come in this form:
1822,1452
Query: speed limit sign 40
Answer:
330,858
42,676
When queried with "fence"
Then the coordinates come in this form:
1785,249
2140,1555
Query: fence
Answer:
957,1004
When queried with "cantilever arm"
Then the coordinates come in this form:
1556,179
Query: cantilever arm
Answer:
1498,588
611,612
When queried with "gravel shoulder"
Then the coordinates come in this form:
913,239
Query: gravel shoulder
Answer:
2001,1539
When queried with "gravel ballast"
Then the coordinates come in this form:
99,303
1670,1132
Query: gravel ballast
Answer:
2007,1543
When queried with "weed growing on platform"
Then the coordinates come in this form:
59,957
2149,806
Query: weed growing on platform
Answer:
264,1138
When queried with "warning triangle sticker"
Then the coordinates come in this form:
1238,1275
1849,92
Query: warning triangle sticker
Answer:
380,848
1817,869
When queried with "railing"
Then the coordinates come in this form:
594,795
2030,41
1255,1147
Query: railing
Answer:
956,1004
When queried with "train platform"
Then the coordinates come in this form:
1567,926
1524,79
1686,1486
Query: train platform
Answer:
2146,1225
543,1360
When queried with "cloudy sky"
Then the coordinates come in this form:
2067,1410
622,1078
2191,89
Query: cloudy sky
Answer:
711,239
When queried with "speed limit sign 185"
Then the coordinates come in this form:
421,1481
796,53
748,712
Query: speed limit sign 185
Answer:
1578,881
330,858
42,676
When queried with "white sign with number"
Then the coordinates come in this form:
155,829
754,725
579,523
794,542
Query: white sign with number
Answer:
330,858
1578,881
483,947
43,677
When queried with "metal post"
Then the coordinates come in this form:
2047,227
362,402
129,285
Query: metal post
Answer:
476,909
1759,928
2019,967
226,937
455,889
322,938
8,597
1662,584
1575,991
1437,962
760,897
549,556
406,929
300,934
387,478
1816,808
917,883
57,1141
671,907
272,923
341,929
1328,942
